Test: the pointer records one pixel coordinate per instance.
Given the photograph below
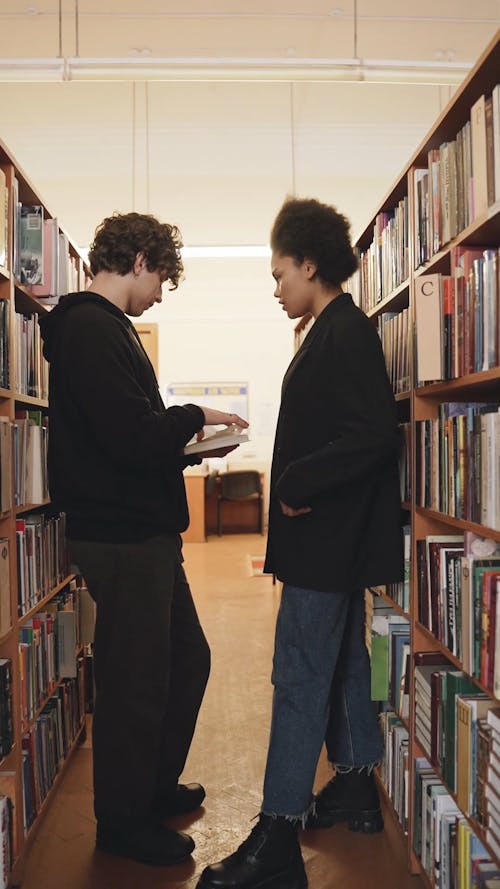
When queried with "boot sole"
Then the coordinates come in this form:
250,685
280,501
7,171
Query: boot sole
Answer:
358,822
279,881
120,852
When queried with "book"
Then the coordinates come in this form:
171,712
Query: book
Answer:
429,328
5,604
4,203
479,157
230,436
31,244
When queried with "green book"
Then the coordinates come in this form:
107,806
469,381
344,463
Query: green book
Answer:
454,683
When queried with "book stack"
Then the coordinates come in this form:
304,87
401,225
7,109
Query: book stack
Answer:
427,709
6,723
492,786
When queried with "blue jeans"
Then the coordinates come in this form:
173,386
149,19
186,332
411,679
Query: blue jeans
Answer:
321,677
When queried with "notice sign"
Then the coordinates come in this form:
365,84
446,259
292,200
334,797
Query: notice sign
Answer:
229,397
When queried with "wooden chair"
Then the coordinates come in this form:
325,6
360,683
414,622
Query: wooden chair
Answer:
243,486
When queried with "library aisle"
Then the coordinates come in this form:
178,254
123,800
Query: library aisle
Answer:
237,610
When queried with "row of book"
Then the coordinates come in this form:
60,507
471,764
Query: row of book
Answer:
4,339
31,370
4,220
461,180
42,557
385,264
394,768
388,643
46,744
492,780
438,687
48,645
30,452
42,260
5,464
452,855
405,470
458,580
457,462
6,712
5,592
399,592
393,329
457,317
6,840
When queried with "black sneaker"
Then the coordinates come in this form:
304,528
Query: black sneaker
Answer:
149,844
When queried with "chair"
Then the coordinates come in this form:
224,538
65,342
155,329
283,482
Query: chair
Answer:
242,486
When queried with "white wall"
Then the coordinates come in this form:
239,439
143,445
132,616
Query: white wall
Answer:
223,325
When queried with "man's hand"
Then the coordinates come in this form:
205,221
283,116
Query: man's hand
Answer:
220,418
291,512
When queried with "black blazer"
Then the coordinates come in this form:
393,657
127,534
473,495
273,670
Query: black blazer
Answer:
336,449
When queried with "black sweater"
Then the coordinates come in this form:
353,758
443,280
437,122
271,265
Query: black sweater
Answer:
115,464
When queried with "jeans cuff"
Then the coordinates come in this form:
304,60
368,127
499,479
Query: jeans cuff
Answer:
342,769
294,819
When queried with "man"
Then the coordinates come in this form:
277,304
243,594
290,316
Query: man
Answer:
115,469
334,528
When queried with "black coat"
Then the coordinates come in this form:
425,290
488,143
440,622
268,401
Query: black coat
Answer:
336,449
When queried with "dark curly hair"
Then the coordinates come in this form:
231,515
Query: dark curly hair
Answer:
120,237
306,229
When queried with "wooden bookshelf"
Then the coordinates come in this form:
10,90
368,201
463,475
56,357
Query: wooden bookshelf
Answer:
422,402
20,301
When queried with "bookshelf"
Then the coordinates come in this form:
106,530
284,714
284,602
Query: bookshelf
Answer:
42,686
438,228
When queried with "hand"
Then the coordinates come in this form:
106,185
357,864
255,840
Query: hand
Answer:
291,512
220,418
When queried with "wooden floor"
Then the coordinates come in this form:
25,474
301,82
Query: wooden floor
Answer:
238,612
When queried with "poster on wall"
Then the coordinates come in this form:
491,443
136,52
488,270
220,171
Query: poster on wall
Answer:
229,397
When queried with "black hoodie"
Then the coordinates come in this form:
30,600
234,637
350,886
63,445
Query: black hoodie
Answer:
115,464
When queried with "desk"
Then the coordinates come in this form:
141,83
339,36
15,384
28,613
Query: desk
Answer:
203,510
195,490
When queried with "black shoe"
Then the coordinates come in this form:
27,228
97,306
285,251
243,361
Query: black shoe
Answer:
352,797
149,844
270,857
185,798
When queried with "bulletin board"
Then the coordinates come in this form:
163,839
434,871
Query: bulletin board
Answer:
229,397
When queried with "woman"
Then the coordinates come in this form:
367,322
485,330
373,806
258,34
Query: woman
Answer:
334,529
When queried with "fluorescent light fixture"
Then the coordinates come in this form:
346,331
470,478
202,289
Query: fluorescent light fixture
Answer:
226,252
234,69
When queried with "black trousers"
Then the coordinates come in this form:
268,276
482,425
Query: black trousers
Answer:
151,663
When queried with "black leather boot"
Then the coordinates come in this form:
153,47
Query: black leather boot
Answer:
148,843
270,857
184,799
352,797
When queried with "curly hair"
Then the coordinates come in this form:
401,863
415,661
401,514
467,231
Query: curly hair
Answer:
307,229
120,237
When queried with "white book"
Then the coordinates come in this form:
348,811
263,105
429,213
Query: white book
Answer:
496,139
496,667
230,436
66,644
429,328
5,603
479,162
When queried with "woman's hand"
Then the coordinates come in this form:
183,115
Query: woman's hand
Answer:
291,512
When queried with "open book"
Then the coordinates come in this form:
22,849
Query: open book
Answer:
224,438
